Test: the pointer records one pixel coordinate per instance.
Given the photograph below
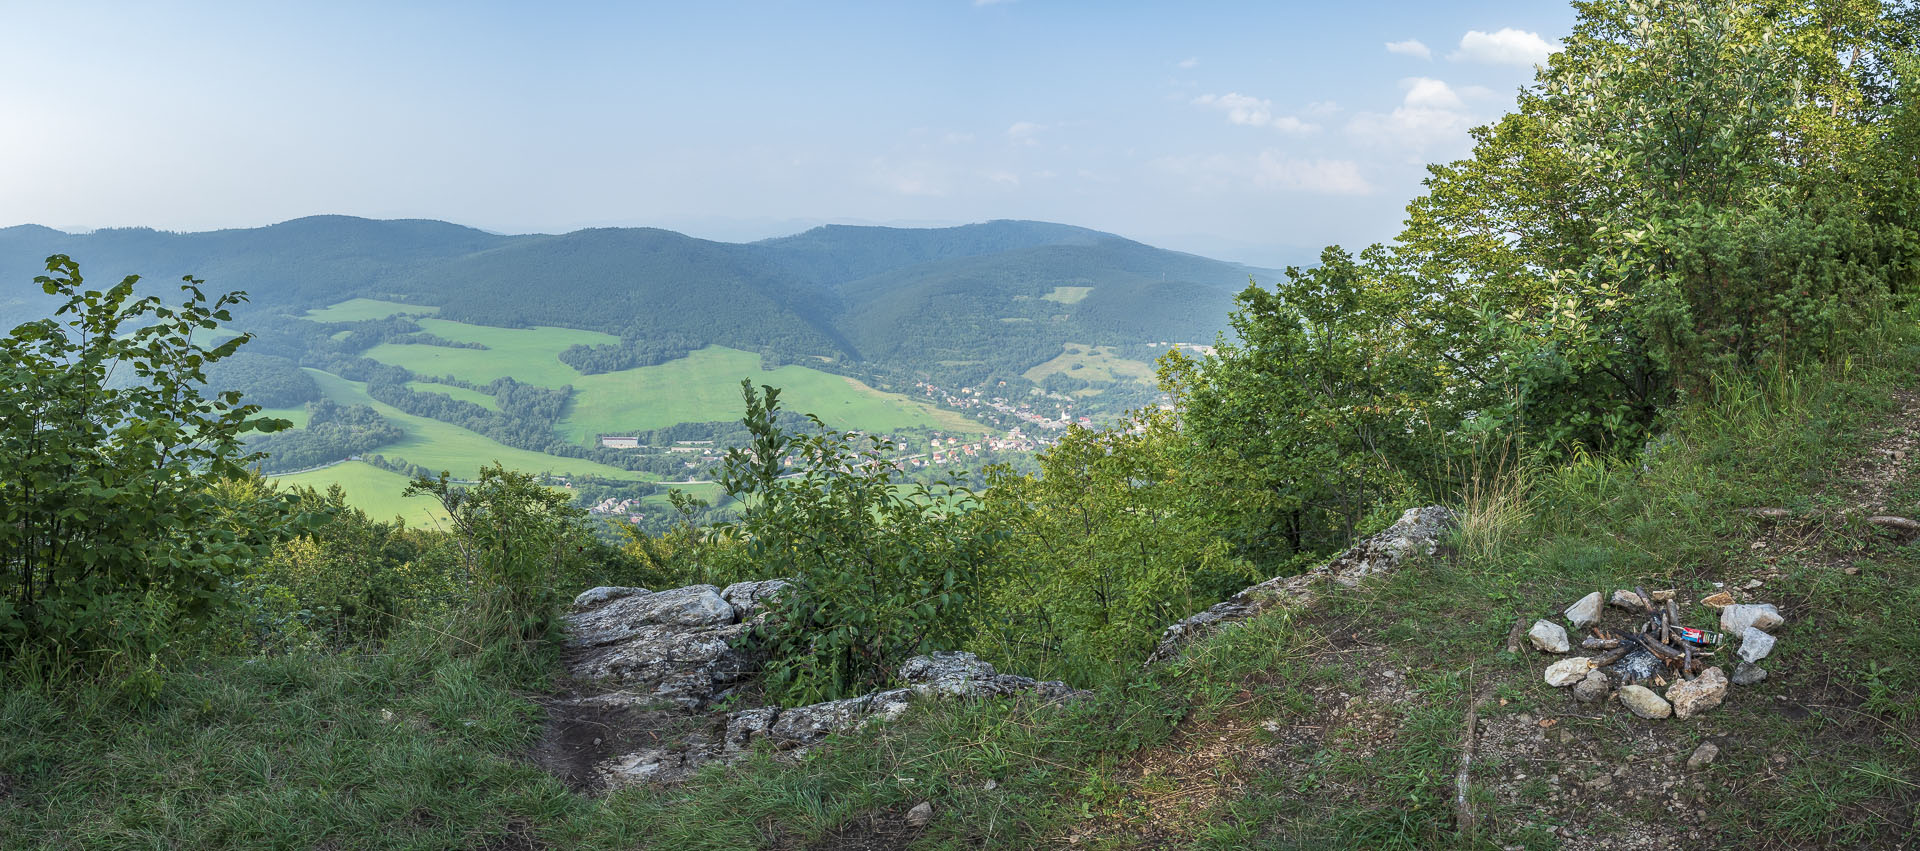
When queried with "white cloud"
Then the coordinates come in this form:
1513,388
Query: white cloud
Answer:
1430,112
1270,170
1023,132
1506,47
1189,62
1255,112
1323,107
1410,47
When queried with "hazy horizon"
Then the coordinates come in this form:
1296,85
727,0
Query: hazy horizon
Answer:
1247,134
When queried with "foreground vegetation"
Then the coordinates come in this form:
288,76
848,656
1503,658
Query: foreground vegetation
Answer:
1674,284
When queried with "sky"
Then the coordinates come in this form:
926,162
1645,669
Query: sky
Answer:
1248,131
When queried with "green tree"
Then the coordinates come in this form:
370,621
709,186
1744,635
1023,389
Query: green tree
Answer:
882,569
115,538
516,543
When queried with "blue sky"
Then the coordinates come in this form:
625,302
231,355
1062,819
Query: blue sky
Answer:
1248,131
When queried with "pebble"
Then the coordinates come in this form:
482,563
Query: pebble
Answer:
1734,620
1718,601
1852,571
1624,599
1548,636
1704,692
1584,613
920,815
1755,645
1703,756
1566,672
1752,584
1644,702
1746,673
1593,688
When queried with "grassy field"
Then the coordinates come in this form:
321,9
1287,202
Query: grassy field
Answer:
442,446
1093,363
702,387
460,393
372,490
297,415
1068,295
705,386
360,309
528,355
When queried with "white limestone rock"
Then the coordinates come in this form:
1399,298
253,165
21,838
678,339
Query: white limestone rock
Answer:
1549,636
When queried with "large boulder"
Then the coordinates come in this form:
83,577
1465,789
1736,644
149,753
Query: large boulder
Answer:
1416,535
677,646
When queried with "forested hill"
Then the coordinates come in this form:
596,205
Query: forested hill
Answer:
969,302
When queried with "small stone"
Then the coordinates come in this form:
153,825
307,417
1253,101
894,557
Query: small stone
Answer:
1599,783
1746,673
1566,672
1755,645
1851,571
1703,756
920,815
1584,613
1752,584
1704,692
1628,600
1735,619
991,784
1593,688
1662,596
1644,702
1548,636
1718,601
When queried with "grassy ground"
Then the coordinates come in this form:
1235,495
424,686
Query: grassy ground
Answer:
443,446
460,393
1092,363
1068,295
527,355
1338,726
296,415
374,491
361,309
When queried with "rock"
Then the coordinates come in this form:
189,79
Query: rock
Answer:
1662,596
747,598
1901,524
1592,688
920,815
1417,534
1624,599
1548,636
1703,756
1851,571
1566,672
674,646
1704,692
1752,584
1644,702
1746,673
1720,600
603,594
1584,613
1599,784
1755,645
1735,619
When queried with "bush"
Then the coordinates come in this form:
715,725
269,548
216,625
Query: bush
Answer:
114,535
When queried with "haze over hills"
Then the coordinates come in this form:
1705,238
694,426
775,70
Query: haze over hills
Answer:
960,303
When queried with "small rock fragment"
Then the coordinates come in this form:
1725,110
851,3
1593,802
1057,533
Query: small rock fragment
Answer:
1752,584
1699,694
1755,645
1566,672
1662,596
1593,688
1584,613
1703,756
1735,619
1548,636
1718,601
920,815
1746,673
1644,702
1628,600
1851,571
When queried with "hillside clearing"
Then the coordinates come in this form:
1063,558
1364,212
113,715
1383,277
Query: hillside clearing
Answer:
1092,363
362,309
372,490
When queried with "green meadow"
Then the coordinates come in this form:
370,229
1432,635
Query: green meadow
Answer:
297,415
443,446
362,309
702,387
1093,363
373,490
460,393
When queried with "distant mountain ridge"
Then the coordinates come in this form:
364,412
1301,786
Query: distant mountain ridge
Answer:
964,302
